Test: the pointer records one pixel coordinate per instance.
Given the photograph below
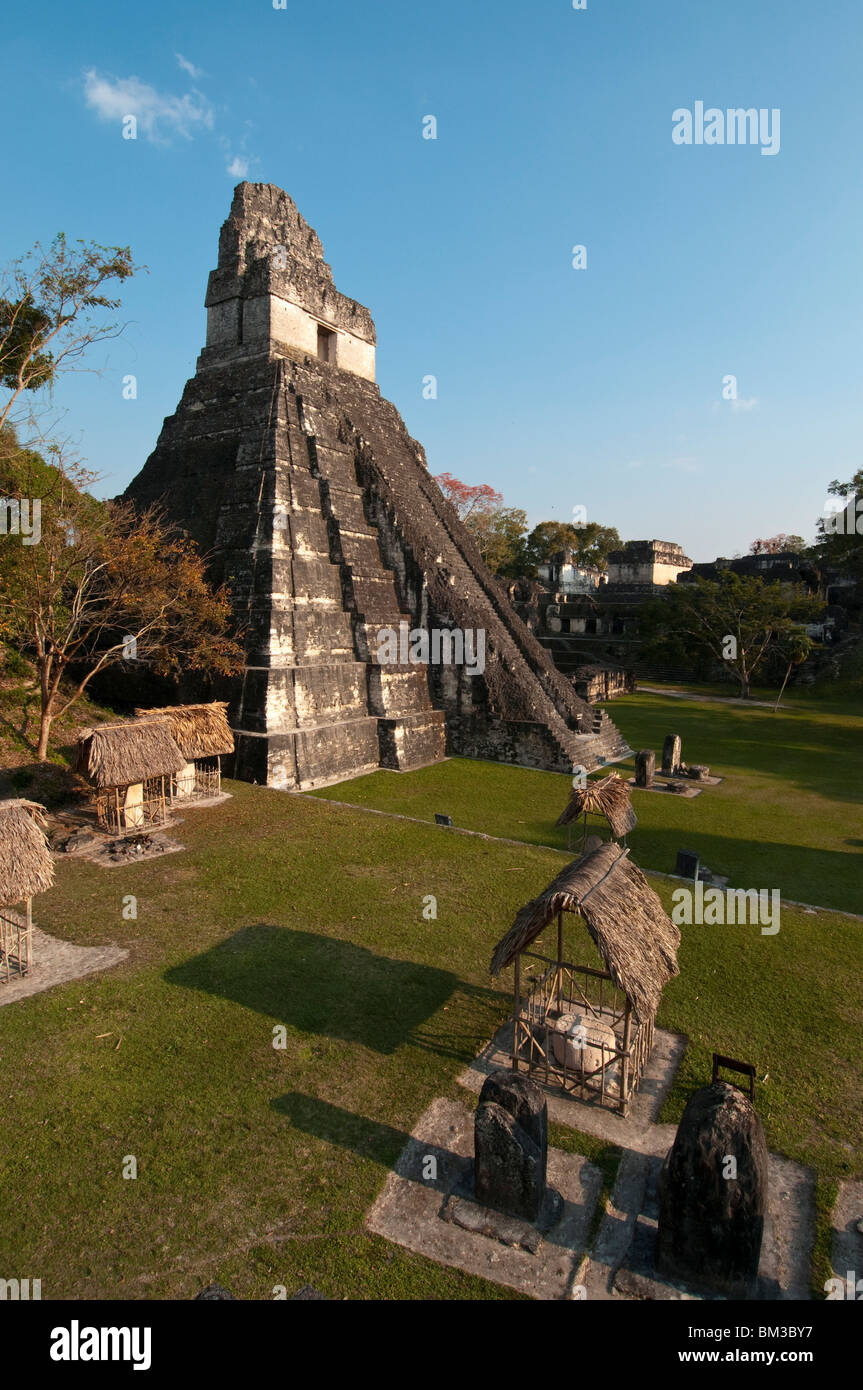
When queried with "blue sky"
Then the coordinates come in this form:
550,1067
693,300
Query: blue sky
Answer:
600,387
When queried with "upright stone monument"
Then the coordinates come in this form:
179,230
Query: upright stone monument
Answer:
713,1194
301,483
645,767
671,750
511,1146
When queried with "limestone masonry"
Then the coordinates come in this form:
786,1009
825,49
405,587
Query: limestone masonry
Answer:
303,486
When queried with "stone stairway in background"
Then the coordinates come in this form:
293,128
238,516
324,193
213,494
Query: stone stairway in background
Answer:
601,740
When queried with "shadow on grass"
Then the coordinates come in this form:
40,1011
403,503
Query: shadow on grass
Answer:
319,984
367,1138
794,746
828,878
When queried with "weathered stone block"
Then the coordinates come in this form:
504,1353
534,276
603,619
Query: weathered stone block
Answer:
511,1145
687,863
583,1042
645,767
671,750
713,1194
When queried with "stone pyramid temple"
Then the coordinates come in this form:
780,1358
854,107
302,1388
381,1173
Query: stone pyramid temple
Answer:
303,487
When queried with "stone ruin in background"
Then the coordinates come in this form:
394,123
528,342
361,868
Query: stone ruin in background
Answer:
301,483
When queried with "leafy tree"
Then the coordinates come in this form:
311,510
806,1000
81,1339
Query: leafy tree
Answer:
22,325
469,500
839,542
100,586
590,543
500,537
738,620
501,532
774,544
51,303
497,530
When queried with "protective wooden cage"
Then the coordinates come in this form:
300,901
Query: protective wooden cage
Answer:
198,782
587,1029
130,809
563,988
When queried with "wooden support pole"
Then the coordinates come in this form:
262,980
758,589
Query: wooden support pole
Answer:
625,1067
559,971
516,1014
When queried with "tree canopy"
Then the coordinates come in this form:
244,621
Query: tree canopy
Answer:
502,535
738,620
839,541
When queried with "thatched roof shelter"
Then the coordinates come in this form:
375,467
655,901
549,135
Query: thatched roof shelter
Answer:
200,731
121,755
612,798
634,936
26,866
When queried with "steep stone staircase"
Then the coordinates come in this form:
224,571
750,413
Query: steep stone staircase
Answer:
316,705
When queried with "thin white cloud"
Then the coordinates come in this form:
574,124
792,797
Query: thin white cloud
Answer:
238,168
194,73
744,403
159,114
682,465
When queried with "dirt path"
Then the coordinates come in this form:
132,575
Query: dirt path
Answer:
708,699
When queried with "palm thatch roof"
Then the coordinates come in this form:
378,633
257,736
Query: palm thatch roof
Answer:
26,866
119,755
636,939
612,798
200,731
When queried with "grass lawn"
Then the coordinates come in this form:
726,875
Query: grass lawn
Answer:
789,814
256,1165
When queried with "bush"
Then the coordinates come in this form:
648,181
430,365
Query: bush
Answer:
13,664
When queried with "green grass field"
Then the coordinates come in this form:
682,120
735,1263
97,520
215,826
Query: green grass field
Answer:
789,814
257,1165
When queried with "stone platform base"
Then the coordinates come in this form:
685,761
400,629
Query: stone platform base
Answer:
434,1217
622,1263
686,792
55,962
201,803
847,1247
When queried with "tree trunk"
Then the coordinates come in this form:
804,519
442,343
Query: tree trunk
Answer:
782,689
44,732
46,719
